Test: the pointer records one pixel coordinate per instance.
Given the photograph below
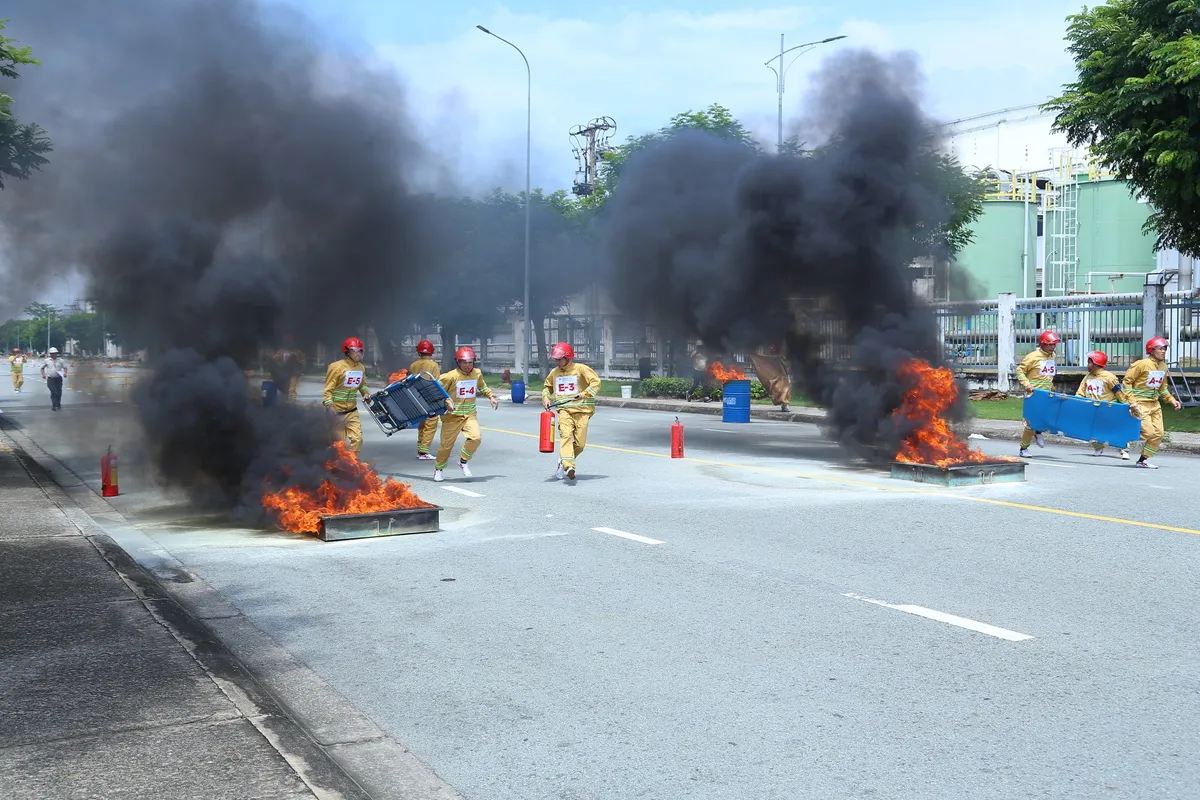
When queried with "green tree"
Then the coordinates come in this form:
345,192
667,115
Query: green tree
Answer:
22,147
716,119
1135,103
963,194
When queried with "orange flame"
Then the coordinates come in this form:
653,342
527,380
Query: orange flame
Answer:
350,487
719,371
398,375
931,393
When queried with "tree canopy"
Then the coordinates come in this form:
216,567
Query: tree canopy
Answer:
22,147
1136,102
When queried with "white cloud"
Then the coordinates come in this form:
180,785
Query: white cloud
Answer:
641,68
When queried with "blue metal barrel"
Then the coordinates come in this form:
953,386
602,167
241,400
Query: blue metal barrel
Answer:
736,399
518,391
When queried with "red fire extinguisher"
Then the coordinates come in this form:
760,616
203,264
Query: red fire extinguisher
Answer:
108,475
677,439
546,440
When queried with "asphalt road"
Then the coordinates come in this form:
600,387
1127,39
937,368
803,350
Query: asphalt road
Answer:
776,627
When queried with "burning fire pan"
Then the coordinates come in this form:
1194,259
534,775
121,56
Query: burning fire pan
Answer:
341,527
976,474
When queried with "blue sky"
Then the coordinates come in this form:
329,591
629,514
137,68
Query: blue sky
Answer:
640,63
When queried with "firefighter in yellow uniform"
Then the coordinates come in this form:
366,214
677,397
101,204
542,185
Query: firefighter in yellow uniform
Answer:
1146,381
1037,371
286,367
16,363
463,383
428,428
345,380
572,388
1100,384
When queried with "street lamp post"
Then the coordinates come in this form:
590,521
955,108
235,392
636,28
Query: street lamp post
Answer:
528,195
783,71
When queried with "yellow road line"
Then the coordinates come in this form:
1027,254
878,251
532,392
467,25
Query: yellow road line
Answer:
885,487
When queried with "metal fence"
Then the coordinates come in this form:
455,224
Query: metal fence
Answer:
1112,323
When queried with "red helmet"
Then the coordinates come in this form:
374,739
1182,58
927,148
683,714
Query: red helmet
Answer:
1048,337
1098,358
424,348
353,343
464,354
1157,341
16,349
562,350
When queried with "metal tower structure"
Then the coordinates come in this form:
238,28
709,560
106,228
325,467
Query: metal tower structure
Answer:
588,143
1062,257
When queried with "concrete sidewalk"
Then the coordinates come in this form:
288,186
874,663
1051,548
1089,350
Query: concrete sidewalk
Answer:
1177,441
111,689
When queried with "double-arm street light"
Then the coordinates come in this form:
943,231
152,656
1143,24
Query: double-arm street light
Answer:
781,71
528,194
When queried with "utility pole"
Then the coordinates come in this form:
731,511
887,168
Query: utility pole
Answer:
781,71
528,192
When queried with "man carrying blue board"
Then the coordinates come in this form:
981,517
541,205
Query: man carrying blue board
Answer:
1100,384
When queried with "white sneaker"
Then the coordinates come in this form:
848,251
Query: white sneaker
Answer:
1124,455
570,473
1097,452
1038,440
438,476
1146,465
1024,453
466,470
560,473
424,456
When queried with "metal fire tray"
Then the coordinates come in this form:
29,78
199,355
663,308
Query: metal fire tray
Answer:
982,473
341,527
407,402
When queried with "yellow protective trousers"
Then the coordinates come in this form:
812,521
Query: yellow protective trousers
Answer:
18,379
572,433
1152,426
425,432
452,425
1026,436
293,384
348,427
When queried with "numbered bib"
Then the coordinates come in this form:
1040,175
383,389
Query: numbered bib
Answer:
353,378
465,390
1155,379
567,385
1047,369
1094,387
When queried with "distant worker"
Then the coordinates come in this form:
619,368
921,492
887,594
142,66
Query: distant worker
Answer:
572,388
1100,384
54,370
1037,371
463,383
286,367
16,363
345,380
700,378
428,428
1146,381
772,372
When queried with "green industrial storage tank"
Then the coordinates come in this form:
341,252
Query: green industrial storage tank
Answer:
995,260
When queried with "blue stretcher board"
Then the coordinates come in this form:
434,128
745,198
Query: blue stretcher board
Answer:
1082,418
407,402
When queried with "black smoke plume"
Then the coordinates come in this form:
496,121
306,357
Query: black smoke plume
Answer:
709,239
221,179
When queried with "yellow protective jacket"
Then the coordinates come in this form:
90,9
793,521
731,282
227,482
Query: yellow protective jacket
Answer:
1102,386
463,388
289,361
1146,381
574,386
1037,371
344,381
17,363
425,365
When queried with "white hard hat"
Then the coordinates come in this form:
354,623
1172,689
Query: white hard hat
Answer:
53,350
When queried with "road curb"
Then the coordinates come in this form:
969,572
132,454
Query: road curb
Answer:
313,721
816,416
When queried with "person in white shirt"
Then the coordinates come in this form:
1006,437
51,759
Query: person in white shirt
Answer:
54,369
